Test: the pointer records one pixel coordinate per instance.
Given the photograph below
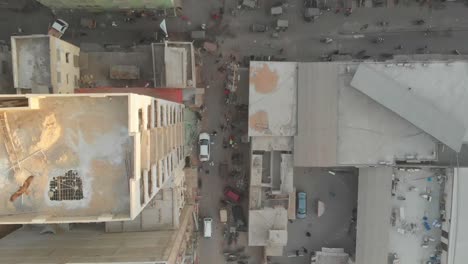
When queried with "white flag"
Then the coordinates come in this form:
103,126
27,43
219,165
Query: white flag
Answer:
163,26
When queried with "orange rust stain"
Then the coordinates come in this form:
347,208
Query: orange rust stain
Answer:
264,79
259,121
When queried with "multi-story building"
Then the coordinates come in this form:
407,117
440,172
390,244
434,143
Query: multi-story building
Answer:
87,157
397,130
44,64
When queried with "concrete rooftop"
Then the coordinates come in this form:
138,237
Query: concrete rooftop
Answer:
261,222
430,96
272,98
89,135
173,64
338,125
33,62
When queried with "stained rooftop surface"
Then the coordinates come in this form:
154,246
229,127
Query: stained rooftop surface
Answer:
33,60
272,99
83,136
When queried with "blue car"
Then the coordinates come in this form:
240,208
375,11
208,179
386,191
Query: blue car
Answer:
301,205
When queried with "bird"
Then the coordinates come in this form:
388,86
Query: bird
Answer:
23,189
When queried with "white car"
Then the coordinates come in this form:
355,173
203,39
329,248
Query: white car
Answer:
58,28
204,142
207,227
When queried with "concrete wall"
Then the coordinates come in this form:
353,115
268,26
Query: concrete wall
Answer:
90,244
31,62
64,61
6,71
157,126
106,4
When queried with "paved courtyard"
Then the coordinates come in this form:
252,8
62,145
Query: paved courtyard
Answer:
339,194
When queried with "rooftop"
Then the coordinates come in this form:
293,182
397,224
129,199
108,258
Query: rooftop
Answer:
333,124
95,68
78,151
413,90
346,127
173,64
272,99
32,59
263,222
458,253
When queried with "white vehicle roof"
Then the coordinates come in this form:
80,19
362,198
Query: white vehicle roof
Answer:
204,136
207,227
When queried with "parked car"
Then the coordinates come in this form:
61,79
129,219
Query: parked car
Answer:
419,22
231,195
258,28
204,143
378,40
58,28
282,24
207,228
326,40
301,205
311,10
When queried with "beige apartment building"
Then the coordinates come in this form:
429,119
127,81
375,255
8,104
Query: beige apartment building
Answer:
44,64
86,157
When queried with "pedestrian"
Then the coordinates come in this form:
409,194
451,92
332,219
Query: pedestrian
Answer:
308,234
305,250
297,253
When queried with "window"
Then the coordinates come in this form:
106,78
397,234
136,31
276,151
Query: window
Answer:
67,57
150,183
142,189
162,116
59,77
148,116
140,119
76,81
156,123
157,177
67,78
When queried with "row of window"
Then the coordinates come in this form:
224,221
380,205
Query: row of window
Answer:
167,164
67,79
168,114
